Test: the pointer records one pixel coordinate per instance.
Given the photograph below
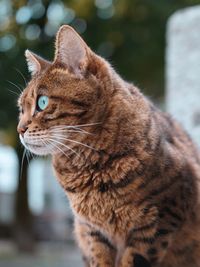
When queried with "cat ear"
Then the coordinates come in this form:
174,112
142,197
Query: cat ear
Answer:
35,63
71,50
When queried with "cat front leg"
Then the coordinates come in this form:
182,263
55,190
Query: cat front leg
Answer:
146,251
96,249
146,244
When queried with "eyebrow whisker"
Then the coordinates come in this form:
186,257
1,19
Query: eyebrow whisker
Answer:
20,90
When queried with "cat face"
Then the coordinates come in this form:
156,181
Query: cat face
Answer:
65,100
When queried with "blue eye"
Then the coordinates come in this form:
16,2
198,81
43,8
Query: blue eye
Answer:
42,102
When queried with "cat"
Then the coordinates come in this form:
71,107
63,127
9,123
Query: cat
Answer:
129,170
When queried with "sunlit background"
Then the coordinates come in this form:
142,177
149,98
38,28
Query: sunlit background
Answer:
35,217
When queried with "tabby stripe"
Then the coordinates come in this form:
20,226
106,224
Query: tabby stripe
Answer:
158,191
117,156
128,179
171,213
174,225
143,228
101,238
57,97
79,187
145,240
51,111
155,175
66,114
141,168
71,190
79,103
72,101
162,232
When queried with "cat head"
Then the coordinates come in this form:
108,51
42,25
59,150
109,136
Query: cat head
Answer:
65,99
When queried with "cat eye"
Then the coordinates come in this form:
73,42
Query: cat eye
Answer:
42,102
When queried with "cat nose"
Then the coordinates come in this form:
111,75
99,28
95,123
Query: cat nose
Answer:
22,130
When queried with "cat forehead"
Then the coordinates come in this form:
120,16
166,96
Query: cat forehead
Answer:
54,80
28,93
26,97
55,75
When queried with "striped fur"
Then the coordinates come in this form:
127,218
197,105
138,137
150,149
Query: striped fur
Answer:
133,185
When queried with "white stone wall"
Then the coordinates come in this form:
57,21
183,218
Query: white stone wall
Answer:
183,69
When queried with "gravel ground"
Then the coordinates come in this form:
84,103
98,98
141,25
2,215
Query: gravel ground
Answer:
47,255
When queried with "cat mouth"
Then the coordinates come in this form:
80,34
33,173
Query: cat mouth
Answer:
38,149
29,145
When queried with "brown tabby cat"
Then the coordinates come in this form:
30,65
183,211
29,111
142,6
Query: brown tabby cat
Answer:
129,170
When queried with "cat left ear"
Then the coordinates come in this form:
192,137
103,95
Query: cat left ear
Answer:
35,63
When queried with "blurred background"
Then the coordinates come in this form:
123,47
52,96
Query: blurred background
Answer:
35,217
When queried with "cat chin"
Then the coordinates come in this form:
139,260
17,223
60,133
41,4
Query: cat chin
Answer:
39,151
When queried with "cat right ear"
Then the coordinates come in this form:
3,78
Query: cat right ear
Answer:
71,50
74,54
35,63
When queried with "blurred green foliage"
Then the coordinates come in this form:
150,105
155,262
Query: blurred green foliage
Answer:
130,33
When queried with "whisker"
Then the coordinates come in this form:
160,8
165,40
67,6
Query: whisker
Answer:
87,124
15,93
46,143
22,163
69,148
27,156
69,131
31,154
53,144
76,126
25,82
74,141
15,86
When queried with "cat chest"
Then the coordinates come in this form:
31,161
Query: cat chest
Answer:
106,213
94,208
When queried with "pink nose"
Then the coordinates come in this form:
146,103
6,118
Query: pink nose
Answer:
22,130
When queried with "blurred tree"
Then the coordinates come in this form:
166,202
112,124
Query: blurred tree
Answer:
130,33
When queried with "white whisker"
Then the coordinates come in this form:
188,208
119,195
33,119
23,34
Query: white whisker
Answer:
27,156
14,92
22,163
56,146
87,124
69,148
74,141
76,126
46,143
25,82
15,86
69,131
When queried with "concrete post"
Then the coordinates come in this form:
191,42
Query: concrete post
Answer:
183,69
